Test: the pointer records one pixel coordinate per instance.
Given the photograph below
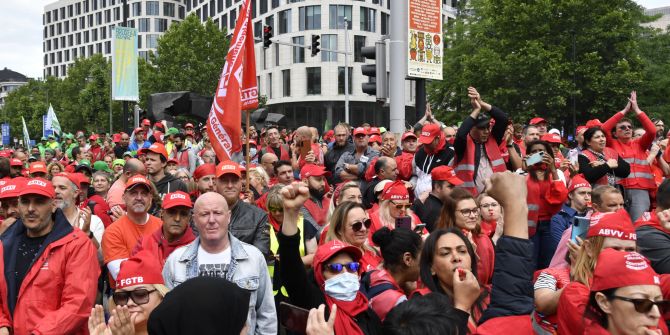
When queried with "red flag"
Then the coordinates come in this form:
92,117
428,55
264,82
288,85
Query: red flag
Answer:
237,89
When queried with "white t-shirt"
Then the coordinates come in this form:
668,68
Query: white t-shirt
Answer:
213,265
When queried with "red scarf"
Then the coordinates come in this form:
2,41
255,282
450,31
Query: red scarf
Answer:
346,310
650,219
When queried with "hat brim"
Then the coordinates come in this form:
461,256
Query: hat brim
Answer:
426,139
130,187
235,173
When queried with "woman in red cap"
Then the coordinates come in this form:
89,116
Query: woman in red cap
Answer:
334,280
608,230
625,296
394,204
461,211
139,289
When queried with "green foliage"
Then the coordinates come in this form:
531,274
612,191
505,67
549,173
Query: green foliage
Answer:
655,89
519,55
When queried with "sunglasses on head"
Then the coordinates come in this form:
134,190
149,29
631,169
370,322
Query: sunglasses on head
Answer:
358,225
336,268
140,296
645,305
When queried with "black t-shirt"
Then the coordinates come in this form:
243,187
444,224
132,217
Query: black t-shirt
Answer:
27,252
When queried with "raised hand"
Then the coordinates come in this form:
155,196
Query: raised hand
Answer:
316,321
294,197
96,321
121,323
633,102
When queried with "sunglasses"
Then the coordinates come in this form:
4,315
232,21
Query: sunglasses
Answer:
140,296
275,209
645,305
337,268
358,225
625,127
401,206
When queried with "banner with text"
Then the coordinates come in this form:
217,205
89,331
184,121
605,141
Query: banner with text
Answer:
424,47
124,64
6,140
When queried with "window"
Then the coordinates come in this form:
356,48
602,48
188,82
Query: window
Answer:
359,42
276,54
269,83
153,8
385,23
298,52
224,22
70,11
275,4
86,36
168,9
286,83
284,18
152,41
108,47
143,25
66,26
233,20
310,17
86,7
67,55
328,41
95,34
55,43
263,8
160,25
103,33
137,9
337,15
368,19
212,8
313,80
74,24
182,12
108,15
258,28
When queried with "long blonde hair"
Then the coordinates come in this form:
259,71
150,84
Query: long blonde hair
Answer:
585,264
385,214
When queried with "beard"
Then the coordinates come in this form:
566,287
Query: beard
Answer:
318,194
63,204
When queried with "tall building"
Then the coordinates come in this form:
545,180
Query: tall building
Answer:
9,81
81,28
663,21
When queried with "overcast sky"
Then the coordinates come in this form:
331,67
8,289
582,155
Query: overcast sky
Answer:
21,33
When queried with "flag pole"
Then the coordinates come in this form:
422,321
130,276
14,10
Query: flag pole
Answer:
248,112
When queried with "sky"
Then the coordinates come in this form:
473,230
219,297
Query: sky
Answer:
21,33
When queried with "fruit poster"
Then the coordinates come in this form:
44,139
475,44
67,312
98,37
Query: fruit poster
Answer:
424,42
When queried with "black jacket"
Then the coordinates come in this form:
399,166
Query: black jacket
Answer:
303,290
169,184
428,211
330,160
498,132
249,224
654,244
426,162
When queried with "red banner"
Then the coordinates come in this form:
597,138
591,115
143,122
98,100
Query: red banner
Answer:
237,89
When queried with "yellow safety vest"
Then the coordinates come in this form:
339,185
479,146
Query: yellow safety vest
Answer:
274,246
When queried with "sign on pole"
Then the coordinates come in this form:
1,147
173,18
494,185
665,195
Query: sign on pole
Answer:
124,64
424,53
5,134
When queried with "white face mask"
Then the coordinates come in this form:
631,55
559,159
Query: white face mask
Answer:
252,152
343,286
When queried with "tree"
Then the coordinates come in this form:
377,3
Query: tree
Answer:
519,55
655,88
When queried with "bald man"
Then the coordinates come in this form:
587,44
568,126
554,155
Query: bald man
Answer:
267,161
213,252
315,155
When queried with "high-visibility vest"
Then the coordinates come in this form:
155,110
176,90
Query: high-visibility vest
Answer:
609,154
274,246
465,167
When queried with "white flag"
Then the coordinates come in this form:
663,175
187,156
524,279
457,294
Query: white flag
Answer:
26,137
53,121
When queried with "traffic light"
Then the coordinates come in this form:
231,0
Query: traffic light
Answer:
315,44
377,84
267,35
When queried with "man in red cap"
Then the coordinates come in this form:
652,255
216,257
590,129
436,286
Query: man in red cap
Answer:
121,236
54,268
37,170
408,143
122,146
352,164
96,151
314,177
640,182
205,178
175,232
653,230
555,142
433,152
541,125
185,157
9,199
579,202
138,142
15,167
146,127
155,163
444,180
248,223
477,144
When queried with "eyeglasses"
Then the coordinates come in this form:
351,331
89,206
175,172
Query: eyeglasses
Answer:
358,225
140,296
337,268
468,212
645,305
401,206
275,209
491,205
625,127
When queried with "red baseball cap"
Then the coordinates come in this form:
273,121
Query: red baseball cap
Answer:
375,138
577,182
93,137
142,268
359,131
312,170
38,186
395,191
229,167
37,167
138,129
617,225
15,162
73,177
537,120
325,251
616,269
146,122
158,136
552,138
593,123
116,138
429,132
445,173
374,131
138,179
204,170
178,198
83,179
406,135
188,125
173,160
157,148
12,188
581,129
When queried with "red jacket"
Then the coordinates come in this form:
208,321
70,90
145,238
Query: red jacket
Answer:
545,198
404,162
58,291
160,247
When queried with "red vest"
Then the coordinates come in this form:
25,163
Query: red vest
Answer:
609,154
318,213
182,158
465,168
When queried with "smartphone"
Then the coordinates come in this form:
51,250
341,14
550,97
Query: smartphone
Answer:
535,158
404,222
580,226
305,147
293,318
419,228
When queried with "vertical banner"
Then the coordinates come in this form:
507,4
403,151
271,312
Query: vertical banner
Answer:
46,126
424,47
26,137
237,89
124,64
6,140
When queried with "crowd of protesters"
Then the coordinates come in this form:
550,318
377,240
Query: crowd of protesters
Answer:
492,227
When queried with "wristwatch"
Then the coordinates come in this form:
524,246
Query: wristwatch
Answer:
90,235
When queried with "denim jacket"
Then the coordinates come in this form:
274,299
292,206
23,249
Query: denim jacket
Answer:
247,269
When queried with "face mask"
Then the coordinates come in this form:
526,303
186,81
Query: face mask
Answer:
343,287
252,152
